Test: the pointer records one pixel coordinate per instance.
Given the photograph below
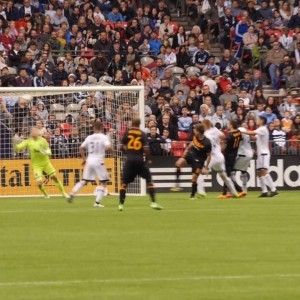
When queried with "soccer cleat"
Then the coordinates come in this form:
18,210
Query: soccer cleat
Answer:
272,194
242,194
201,195
223,196
121,207
263,195
96,204
47,197
236,196
176,189
156,206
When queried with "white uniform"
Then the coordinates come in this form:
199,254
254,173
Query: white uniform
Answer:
262,146
217,162
95,145
245,153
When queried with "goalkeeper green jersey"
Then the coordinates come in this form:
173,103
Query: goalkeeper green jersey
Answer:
35,147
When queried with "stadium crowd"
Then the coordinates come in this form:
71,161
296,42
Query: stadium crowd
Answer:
128,42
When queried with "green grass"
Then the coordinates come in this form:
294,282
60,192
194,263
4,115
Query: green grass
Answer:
210,249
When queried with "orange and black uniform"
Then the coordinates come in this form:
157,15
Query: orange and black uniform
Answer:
233,140
197,155
135,140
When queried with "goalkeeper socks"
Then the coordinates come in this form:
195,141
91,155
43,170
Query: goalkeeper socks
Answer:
43,190
194,188
78,186
151,191
59,185
263,184
269,182
244,178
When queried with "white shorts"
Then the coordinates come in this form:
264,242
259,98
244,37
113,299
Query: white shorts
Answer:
95,170
242,163
263,161
217,163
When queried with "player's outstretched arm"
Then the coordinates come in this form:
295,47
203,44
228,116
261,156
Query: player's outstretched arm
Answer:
249,133
21,146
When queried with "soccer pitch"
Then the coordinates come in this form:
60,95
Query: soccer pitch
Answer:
231,249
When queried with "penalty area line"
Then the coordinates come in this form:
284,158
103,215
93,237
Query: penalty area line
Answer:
137,280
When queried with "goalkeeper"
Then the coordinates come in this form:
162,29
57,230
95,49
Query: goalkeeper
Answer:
40,161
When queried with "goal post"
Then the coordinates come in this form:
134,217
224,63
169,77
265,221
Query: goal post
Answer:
64,116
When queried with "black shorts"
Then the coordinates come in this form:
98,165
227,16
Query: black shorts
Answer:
133,169
229,163
196,163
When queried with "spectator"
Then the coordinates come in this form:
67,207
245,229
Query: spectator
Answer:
166,147
166,28
114,15
14,56
246,83
200,57
288,105
182,87
179,39
278,138
59,144
41,111
74,142
269,115
182,57
220,117
224,81
58,18
59,74
274,58
227,61
166,124
23,80
184,121
227,26
204,114
294,20
228,96
155,141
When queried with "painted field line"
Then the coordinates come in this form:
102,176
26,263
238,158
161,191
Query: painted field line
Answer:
138,280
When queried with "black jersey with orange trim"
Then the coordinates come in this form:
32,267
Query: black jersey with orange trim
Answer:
134,141
233,139
201,148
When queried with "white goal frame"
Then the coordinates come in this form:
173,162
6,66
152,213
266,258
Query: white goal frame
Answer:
48,91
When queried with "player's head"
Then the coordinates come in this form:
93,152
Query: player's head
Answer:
199,129
233,125
136,122
98,126
262,120
34,132
206,123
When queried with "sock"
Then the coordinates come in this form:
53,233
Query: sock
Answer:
78,186
269,182
43,190
194,188
244,177
263,184
122,194
228,182
233,178
100,191
200,182
178,172
224,189
151,191
59,185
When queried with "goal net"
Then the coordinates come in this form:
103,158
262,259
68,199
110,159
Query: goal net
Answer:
64,116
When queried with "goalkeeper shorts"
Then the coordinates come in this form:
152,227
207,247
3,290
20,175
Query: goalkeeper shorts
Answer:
47,169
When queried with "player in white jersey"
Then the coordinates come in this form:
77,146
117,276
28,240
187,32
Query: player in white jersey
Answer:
95,145
244,156
217,162
263,157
